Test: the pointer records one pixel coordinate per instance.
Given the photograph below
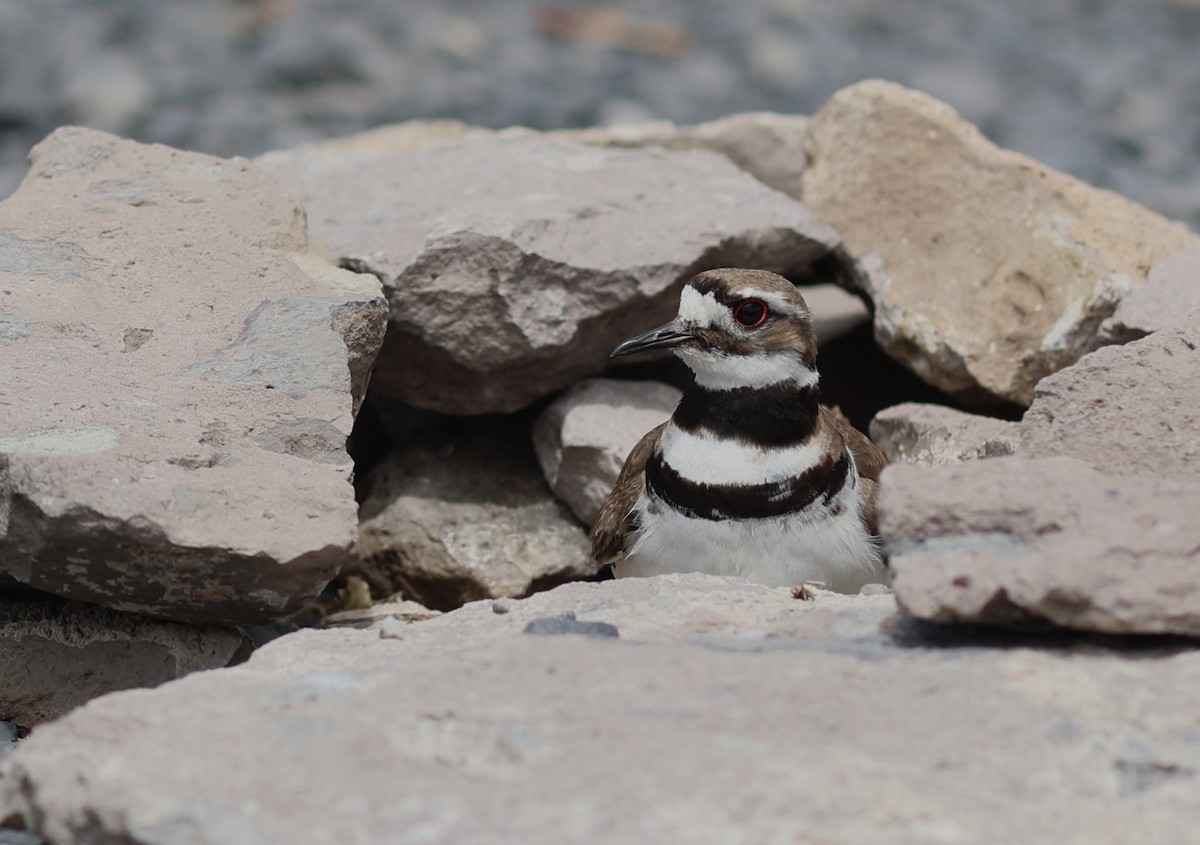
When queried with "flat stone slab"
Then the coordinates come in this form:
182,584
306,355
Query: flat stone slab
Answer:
1015,542
723,712
178,376
515,262
987,269
57,654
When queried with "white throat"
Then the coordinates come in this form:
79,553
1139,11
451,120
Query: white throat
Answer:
715,371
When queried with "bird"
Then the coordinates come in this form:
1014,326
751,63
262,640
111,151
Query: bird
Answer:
751,476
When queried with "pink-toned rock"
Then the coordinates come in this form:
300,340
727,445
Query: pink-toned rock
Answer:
723,712
178,376
1014,542
515,262
988,270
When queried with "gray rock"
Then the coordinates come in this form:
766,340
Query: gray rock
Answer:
179,376
987,269
768,146
1013,541
514,262
724,712
933,435
457,519
1127,410
1171,294
56,654
583,439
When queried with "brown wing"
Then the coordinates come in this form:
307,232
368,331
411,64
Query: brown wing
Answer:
612,523
868,458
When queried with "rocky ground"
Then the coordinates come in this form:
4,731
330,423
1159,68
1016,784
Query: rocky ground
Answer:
194,452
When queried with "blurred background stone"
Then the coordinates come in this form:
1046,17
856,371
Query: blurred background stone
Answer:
1101,89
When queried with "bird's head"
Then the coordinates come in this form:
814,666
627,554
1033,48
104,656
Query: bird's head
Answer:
738,328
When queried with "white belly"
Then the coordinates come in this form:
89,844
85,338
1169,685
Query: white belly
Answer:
826,544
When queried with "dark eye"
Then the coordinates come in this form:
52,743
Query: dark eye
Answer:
750,313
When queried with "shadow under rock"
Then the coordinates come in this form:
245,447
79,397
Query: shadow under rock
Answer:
908,632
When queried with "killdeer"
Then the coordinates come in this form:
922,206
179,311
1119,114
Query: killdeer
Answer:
750,476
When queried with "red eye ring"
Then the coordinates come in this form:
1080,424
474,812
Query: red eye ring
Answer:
750,313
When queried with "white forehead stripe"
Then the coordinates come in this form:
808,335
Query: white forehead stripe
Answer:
702,309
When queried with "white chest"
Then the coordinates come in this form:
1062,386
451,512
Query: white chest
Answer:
825,542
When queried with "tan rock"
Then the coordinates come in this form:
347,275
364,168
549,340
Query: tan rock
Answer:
724,713
988,270
768,146
57,654
1053,541
584,437
934,435
514,262
178,377
457,519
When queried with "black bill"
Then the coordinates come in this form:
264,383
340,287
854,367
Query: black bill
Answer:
664,337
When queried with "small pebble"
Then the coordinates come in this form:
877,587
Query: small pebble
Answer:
566,623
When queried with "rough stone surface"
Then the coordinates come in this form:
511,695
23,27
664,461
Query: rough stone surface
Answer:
452,520
583,439
1013,541
988,270
56,654
768,146
1127,410
933,435
514,262
724,712
178,377
1171,294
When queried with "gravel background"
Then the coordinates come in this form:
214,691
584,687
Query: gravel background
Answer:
1106,89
